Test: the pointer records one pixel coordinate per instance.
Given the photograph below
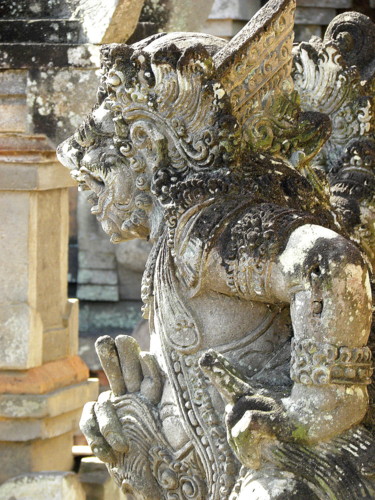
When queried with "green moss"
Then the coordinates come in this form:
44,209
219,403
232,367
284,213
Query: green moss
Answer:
299,433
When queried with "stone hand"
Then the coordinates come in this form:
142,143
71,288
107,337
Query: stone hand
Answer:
252,419
129,370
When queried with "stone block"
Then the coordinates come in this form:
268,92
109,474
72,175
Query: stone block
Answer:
52,247
45,378
304,32
109,22
99,260
130,284
17,240
97,276
97,482
39,30
56,344
51,404
32,173
314,15
234,9
108,293
21,337
13,113
43,485
12,429
13,82
38,9
62,95
38,455
224,28
45,55
71,321
106,316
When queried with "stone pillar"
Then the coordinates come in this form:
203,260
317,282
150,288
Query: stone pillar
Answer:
44,383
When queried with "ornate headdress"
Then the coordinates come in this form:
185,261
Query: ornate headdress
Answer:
210,100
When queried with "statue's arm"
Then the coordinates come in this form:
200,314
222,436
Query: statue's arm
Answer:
324,279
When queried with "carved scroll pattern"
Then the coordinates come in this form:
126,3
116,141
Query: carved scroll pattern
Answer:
262,64
203,425
326,84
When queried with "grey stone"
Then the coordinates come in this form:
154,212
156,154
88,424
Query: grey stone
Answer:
104,316
97,482
220,154
43,486
47,405
98,292
326,4
97,276
305,32
314,15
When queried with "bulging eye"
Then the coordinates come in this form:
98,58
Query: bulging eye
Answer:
109,162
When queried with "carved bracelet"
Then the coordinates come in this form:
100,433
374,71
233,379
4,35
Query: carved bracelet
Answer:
314,363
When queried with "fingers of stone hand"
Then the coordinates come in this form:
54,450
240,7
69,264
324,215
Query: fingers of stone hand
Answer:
90,428
129,352
151,386
109,359
110,425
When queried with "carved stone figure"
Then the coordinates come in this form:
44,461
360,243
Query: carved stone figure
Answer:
259,304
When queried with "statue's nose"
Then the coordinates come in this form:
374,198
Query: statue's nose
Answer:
68,154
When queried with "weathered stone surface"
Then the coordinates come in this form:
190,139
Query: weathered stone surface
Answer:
18,429
39,31
49,404
24,55
21,342
109,22
101,260
97,482
133,254
227,18
98,293
104,316
39,9
305,32
313,15
43,485
176,15
105,277
259,304
53,454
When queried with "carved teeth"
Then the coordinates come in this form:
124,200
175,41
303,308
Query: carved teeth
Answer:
95,209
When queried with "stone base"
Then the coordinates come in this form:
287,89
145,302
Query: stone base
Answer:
43,485
37,455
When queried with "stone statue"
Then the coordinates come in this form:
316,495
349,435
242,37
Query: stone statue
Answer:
250,188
